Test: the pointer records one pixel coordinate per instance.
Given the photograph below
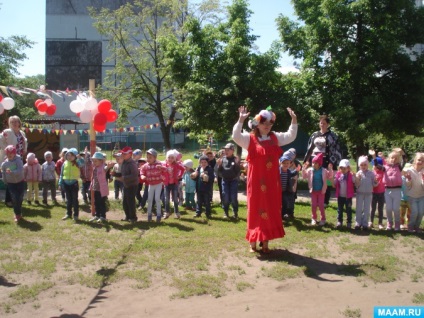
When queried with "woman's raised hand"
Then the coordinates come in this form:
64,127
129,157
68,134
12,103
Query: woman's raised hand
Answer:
243,113
292,115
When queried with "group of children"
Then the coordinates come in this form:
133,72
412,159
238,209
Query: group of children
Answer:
393,182
163,181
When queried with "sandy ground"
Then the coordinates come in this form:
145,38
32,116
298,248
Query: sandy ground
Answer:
326,294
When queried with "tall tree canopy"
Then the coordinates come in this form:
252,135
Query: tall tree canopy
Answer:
217,70
359,64
140,79
11,55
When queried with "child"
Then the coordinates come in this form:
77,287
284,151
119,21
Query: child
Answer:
365,181
13,176
317,182
116,172
68,181
344,182
173,172
142,198
100,186
86,169
152,173
393,182
204,177
377,201
49,177
136,155
32,176
405,209
129,178
190,185
415,191
229,167
59,164
288,184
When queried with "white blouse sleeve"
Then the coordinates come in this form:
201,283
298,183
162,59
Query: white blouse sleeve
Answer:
240,138
286,137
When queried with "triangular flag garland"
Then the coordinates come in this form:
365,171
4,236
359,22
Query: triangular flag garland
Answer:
50,130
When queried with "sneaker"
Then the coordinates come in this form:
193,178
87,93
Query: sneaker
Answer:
158,219
75,218
125,220
380,227
370,225
37,202
66,217
313,222
349,225
388,227
196,215
149,218
93,219
339,225
139,208
403,227
357,227
54,202
29,202
44,201
101,220
167,215
365,228
321,223
226,216
178,216
18,218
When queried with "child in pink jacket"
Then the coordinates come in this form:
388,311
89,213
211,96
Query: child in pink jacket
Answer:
317,177
32,176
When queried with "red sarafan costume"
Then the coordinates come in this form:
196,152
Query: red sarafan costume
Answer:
264,221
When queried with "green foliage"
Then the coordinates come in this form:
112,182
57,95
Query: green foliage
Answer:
359,65
217,70
11,55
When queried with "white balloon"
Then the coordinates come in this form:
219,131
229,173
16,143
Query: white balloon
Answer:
8,103
76,106
90,104
1,109
42,113
85,116
48,101
94,112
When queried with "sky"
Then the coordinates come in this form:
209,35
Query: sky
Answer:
28,17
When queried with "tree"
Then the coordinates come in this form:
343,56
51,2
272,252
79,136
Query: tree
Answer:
216,70
11,55
359,65
140,79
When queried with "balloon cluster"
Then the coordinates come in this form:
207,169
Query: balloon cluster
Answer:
89,110
6,104
45,106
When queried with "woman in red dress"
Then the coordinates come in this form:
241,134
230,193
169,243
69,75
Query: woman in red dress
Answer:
264,221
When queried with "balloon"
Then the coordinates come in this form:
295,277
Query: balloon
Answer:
8,103
51,110
78,114
111,116
100,119
99,128
41,113
94,112
85,116
104,106
1,97
76,106
48,101
1,109
42,107
90,104
38,101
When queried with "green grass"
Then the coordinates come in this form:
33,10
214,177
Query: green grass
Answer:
190,256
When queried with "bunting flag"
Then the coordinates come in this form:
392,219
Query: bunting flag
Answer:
49,129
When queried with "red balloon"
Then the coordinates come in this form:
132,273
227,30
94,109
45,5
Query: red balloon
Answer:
104,106
78,114
1,97
100,119
99,128
37,102
51,110
42,107
111,116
